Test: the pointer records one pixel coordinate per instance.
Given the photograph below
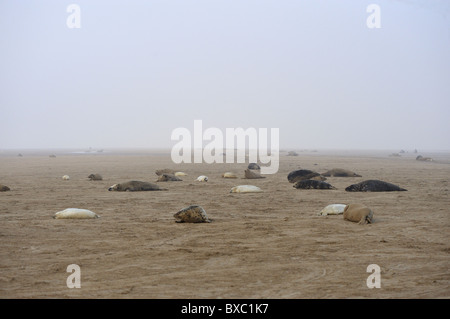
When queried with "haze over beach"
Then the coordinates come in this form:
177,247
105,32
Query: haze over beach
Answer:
123,113
135,71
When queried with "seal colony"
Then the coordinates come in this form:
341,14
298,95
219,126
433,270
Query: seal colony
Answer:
301,178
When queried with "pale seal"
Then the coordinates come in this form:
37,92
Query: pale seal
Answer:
192,214
358,213
312,184
424,159
66,177
75,213
373,185
303,174
333,209
95,177
252,174
135,186
339,172
229,175
245,189
202,178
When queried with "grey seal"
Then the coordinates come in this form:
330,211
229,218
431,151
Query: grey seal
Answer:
373,185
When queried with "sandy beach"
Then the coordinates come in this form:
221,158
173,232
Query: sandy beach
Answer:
262,245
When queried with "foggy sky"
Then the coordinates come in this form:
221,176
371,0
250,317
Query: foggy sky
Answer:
137,70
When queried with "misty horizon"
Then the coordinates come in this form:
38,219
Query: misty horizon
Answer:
133,72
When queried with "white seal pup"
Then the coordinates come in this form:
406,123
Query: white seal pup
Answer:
202,178
333,209
180,174
75,213
246,189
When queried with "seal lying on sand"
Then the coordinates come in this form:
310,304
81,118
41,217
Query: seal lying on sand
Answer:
303,174
192,214
165,170
253,166
135,186
358,213
202,178
75,213
339,172
252,174
4,188
95,177
373,185
424,159
312,184
229,175
245,189
180,174
66,177
333,209
168,178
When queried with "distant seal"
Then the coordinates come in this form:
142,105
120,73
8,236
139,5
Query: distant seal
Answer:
4,188
339,172
245,189
165,170
66,177
424,159
303,174
168,178
252,174
135,186
253,166
95,177
333,209
75,213
180,174
312,184
202,178
373,185
229,175
358,213
192,214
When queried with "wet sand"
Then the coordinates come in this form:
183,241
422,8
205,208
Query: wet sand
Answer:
261,245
